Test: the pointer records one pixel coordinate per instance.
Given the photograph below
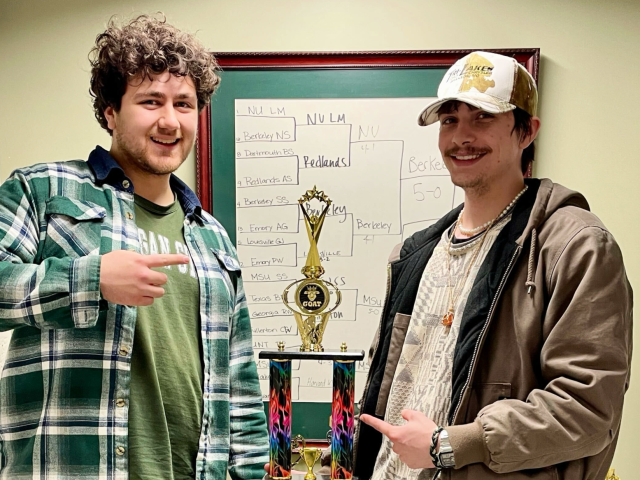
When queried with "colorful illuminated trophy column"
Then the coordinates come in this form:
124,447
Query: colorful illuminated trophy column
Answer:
311,311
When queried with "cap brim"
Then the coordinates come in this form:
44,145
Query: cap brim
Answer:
489,104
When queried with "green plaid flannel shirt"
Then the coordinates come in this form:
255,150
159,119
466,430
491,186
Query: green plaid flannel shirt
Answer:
69,357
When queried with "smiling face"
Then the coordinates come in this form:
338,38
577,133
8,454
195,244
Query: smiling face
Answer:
481,150
154,130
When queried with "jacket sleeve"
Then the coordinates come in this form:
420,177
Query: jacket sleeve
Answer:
585,365
248,428
56,293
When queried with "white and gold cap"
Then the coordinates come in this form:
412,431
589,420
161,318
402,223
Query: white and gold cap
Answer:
491,82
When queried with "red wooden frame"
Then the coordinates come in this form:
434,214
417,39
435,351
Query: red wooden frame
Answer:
529,57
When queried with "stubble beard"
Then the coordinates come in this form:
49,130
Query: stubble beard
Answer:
138,157
477,187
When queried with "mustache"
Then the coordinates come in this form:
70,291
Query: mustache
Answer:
467,151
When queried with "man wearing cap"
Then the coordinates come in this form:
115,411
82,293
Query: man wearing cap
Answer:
504,347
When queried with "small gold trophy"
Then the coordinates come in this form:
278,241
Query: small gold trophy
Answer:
310,455
312,295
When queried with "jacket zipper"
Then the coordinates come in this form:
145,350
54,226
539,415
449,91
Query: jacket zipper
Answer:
482,332
366,386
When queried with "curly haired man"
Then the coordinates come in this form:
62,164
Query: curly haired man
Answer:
131,353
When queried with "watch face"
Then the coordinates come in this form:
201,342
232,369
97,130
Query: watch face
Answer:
447,460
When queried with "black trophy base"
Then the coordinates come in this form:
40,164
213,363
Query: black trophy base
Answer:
335,355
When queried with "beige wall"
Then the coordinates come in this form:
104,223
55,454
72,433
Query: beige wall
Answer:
589,72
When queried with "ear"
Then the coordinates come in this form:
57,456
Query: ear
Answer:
535,128
110,115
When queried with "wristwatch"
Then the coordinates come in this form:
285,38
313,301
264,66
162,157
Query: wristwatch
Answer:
445,452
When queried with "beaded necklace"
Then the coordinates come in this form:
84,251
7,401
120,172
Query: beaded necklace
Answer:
447,319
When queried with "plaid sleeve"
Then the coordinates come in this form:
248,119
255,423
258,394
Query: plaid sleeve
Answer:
58,292
248,443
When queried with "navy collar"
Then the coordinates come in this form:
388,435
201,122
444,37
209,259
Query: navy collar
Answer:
189,200
107,170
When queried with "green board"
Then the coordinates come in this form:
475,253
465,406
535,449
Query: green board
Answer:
309,419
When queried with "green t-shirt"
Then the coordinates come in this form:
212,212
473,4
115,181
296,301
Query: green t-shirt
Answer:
165,413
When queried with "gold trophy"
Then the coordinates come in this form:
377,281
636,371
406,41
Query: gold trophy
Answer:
313,305
312,295
310,455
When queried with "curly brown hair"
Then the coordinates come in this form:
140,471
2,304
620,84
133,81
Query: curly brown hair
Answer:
144,47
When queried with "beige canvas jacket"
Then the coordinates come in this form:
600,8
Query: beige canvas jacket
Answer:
544,354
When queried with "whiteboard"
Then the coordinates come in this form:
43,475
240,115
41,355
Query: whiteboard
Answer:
387,180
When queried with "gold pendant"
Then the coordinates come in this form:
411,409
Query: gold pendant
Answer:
447,320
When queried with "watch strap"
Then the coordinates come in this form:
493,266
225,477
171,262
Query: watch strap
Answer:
434,446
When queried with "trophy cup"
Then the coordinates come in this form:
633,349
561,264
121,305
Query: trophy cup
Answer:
309,455
311,310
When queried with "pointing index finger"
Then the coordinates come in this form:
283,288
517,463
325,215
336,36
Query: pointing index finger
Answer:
380,425
166,259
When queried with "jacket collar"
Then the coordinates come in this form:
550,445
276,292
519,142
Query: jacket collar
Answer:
107,170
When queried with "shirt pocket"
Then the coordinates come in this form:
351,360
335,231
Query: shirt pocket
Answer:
74,227
230,269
